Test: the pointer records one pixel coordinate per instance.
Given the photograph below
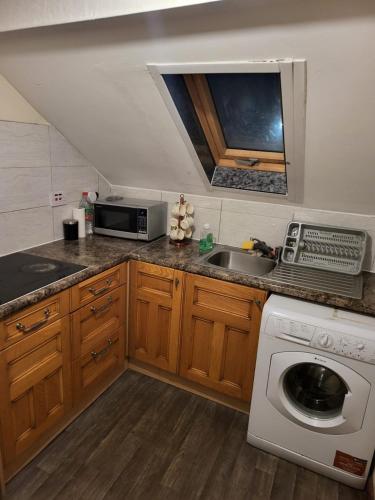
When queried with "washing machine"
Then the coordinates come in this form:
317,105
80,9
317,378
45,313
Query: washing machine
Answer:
313,399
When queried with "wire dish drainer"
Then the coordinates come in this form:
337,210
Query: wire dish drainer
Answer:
325,247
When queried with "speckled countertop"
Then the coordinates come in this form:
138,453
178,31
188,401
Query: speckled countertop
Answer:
99,253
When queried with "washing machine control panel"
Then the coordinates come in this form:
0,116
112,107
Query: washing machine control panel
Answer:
344,345
350,346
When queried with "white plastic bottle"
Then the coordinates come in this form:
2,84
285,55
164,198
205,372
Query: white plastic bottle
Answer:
89,213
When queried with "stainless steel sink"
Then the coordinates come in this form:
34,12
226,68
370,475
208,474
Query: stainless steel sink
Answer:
237,260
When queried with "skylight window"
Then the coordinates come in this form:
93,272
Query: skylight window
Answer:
241,121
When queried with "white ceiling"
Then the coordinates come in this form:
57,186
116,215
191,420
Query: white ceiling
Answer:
90,81
21,14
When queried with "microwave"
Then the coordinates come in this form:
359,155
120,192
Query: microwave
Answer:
130,218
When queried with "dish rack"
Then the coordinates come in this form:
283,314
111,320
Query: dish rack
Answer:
341,250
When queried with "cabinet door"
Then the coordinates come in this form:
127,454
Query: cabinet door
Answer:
35,388
220,335
155,298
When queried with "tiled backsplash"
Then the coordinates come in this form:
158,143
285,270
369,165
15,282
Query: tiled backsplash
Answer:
234,221
35,160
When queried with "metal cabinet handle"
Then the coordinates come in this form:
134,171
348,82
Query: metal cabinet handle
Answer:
28,329
176,283
97,355
100,291
104,307
258,303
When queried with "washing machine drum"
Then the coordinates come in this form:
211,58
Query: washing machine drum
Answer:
315,389
317,392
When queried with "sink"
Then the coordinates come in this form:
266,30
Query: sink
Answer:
240,261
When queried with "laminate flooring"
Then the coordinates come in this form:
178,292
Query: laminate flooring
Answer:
143,439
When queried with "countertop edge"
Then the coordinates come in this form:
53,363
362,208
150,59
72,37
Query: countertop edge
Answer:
161,253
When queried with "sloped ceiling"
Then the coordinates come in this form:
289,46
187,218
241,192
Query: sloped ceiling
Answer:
90,81
21,14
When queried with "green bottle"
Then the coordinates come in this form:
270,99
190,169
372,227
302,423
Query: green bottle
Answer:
206,241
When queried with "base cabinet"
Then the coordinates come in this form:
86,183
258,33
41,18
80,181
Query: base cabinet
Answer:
35,388
155,313
53,363
98,343
220,335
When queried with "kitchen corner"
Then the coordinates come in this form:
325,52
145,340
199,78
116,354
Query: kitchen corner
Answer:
98,253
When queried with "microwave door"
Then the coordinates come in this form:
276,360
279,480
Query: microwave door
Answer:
116,221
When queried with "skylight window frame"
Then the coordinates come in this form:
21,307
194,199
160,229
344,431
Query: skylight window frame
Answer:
224,156
293,91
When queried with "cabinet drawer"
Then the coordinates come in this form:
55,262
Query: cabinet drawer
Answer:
97,367
32,319
97,321
36,388
98,285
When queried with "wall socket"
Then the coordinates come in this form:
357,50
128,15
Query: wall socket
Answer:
57,198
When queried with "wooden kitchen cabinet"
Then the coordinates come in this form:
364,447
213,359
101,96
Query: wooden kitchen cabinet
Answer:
155,313
85,292
35,390
31,319
98,343
220,335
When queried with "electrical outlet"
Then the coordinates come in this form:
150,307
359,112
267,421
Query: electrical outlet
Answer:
57,198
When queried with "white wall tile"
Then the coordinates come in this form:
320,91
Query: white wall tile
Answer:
22,188
144,194
257,208
59,214
203,216
235,228
25,228
73,180
355,221
24,145
64,154
197,201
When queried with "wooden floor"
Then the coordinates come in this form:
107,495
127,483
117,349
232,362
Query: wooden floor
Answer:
144,439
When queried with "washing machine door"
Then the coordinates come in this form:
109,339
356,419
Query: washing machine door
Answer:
317,392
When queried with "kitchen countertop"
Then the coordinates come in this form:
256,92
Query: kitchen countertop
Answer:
99,253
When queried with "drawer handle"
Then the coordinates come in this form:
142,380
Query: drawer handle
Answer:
104,307
28,329
99,291
97,355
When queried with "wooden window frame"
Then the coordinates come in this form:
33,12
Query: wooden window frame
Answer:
203,103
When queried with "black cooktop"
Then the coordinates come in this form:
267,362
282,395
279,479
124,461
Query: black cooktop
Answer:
22,273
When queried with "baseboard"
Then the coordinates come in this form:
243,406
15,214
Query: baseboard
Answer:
186,385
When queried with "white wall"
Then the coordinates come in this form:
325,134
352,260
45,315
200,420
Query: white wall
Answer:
90,81
36,159
234,221
14,107
21,14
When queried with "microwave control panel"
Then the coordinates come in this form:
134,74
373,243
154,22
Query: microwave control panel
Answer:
142,220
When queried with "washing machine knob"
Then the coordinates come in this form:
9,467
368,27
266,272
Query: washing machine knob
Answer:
360,346
325,340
